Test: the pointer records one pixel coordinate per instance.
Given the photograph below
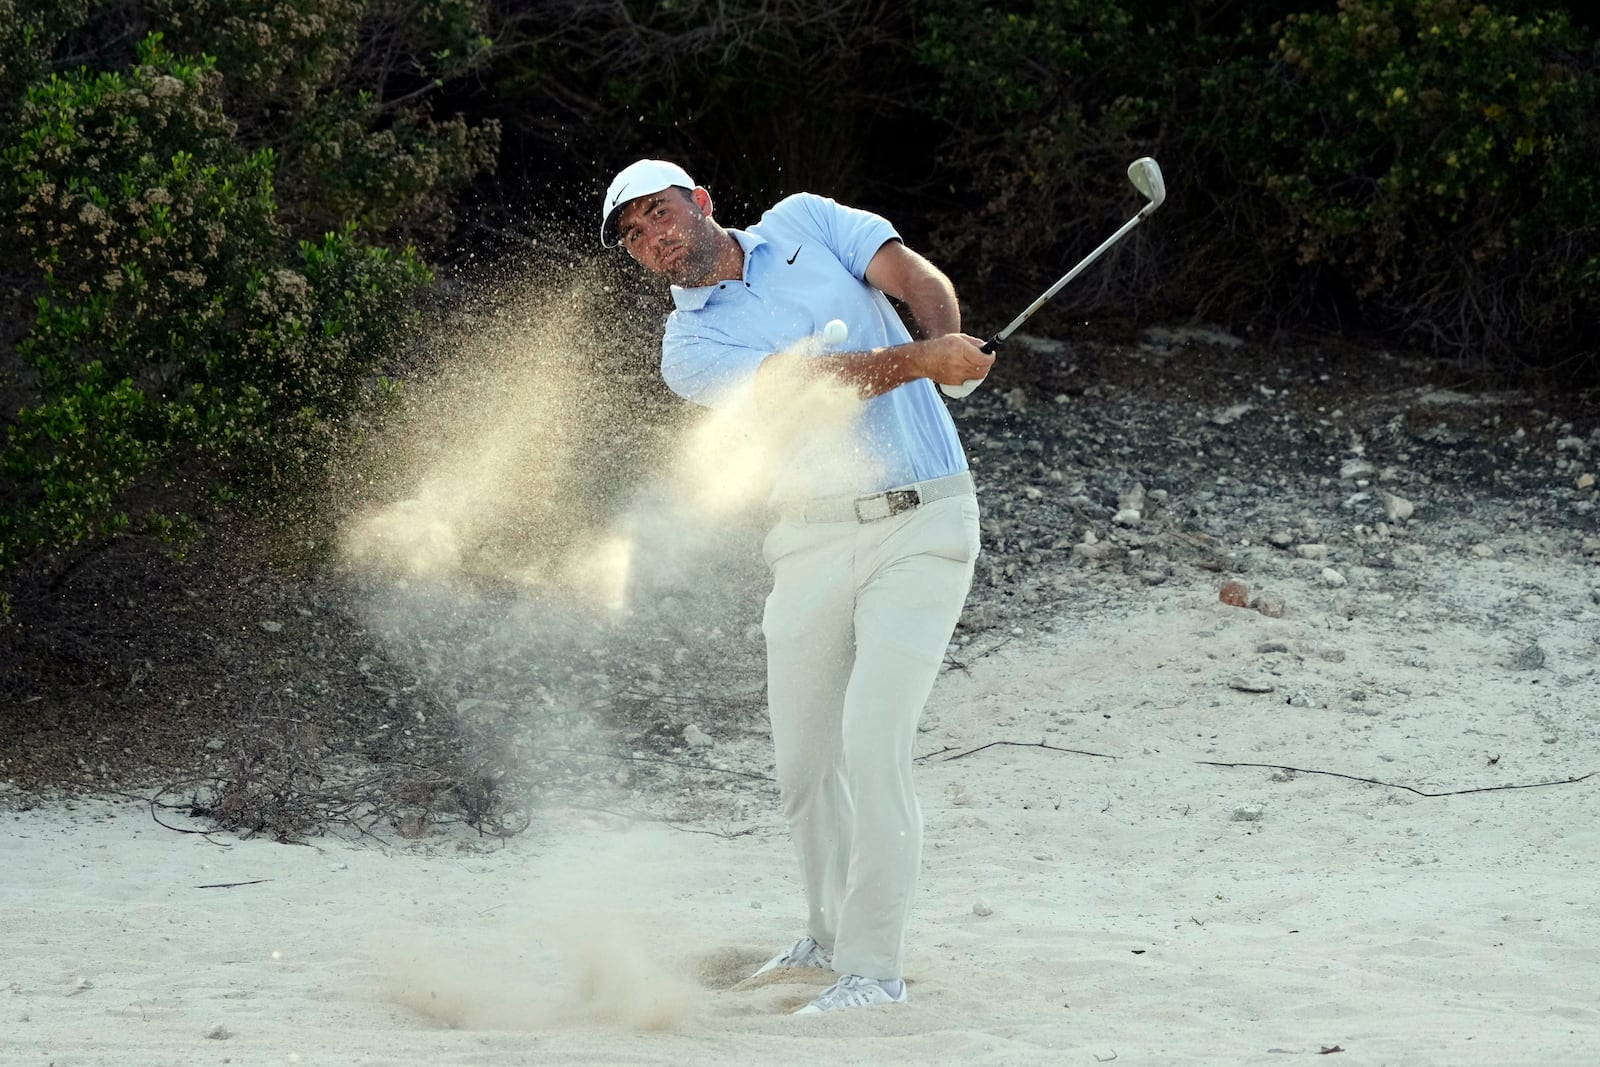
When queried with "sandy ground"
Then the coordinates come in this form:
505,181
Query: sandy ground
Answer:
1149,908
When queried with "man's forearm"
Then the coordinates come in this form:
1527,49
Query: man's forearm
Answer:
871,373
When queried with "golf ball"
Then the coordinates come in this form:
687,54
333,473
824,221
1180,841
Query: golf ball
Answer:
835,332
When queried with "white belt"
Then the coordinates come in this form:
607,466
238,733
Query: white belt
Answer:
877,505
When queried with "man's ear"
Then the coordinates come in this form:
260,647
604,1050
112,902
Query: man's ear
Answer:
702,200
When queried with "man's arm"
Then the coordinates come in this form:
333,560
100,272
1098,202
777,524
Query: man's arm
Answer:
945,354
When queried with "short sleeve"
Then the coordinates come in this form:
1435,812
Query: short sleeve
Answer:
706,365
853,234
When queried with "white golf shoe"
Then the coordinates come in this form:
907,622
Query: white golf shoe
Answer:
803,953
854,991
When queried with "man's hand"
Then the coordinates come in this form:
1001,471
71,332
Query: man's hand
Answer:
953,359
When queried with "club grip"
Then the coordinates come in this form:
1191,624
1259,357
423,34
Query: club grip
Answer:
956,392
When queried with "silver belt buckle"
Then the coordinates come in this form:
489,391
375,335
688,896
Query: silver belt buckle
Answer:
885,505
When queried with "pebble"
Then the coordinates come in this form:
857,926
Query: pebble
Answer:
1234,592
270,626
1127,517
1271,605
1481,550
1272,646
1332,578
695,737
1585,481
1398,508
1248,813
1312,551
1529,657
1250,685
982,909
1301,699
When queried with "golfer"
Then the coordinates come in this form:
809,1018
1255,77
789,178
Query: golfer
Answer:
872,550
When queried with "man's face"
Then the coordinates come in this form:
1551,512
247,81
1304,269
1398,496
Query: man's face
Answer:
671,233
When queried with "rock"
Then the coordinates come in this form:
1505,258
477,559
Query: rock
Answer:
1250,685
695,737
1234,592
1248,813
1270,604
1127,517
1312,551
1333,655
1332,578
1268,647
1481,550
1529,657
1300,699
981,909
1280,539
1397,508
1355,468
1133,499
270,626
1586,481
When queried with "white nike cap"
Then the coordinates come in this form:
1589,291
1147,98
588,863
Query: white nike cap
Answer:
633,181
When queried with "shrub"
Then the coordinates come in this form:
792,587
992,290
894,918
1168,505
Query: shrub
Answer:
1438,159
1047,101
174,328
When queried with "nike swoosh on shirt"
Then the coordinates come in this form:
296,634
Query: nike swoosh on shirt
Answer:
796,255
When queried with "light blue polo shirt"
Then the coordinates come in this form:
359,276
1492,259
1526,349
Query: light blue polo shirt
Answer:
804,264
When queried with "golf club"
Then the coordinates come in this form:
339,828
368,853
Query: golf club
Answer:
1145,174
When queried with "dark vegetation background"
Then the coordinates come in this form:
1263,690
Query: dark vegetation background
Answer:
229,222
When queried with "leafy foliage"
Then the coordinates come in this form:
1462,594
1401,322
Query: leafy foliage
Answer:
191,335
1439,156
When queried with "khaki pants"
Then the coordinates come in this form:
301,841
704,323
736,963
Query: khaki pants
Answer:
857,624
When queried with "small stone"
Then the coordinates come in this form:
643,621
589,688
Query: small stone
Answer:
1481,550
1332,578
1128,517
1586,481
219,1033
1312,551
1267,647
1397,508
270,626
1529,657
695,737
1248,813
1355,468
1301,699
1234,592
1271,605
981,909
1280,539
1250,685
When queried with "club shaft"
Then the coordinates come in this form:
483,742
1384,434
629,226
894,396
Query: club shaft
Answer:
1067,277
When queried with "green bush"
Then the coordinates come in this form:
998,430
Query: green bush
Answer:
1047,102
174,329
1438,157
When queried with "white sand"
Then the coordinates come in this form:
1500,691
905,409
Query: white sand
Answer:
1132,914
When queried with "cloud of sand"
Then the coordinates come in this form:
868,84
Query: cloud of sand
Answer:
604,977
510,465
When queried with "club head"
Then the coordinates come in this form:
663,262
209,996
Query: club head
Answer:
1145,174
